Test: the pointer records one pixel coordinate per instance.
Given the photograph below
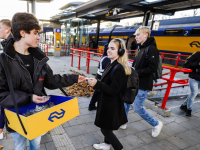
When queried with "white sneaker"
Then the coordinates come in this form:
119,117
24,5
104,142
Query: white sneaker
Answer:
1,135
123,126
156,130
102,146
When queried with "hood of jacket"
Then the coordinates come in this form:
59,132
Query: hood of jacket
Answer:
3,43
10,51
149,41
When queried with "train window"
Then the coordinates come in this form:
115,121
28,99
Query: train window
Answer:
173,31
126,28
195,31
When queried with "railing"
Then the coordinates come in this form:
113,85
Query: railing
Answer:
67,48
170,81
79,52
177,57
44,48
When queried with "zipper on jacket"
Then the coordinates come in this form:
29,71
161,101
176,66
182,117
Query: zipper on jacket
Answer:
27,71
37,65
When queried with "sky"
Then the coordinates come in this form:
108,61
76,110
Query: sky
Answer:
43,10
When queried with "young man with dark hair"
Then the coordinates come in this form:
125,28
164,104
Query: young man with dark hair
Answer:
26,64
5,33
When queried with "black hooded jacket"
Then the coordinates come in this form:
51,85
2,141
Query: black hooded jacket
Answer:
146,64
192,62
3,43
24,86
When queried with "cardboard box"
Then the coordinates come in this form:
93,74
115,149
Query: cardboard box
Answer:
37,124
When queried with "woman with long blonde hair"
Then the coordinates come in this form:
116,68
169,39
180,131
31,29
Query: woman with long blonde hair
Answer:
111,88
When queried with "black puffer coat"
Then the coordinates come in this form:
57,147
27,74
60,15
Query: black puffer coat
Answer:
110,108
23,85
192,62
146,64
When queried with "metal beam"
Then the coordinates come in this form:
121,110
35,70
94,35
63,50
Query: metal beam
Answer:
105,6
97,34
144,9
134,8
162,3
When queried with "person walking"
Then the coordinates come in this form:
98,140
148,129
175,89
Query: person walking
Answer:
26,64
5,33
104,61
146,63
192,62
111,88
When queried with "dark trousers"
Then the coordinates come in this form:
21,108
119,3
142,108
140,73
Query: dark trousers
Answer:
110,138
93,100
2,121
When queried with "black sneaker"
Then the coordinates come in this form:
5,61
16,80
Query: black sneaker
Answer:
183,107
188,113
92,108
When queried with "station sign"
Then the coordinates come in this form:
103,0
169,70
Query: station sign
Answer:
47,29
57,30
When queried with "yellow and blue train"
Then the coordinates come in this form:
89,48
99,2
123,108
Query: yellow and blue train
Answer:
180,35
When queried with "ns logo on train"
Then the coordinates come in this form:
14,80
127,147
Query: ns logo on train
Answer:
195,43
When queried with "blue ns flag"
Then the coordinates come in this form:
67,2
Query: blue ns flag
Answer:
56,115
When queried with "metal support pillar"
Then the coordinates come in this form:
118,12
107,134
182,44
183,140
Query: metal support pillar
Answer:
28,6
81,32
146,18
97,33
151,26
33,3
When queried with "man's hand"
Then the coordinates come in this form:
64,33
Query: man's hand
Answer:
38,99
92,81
81,79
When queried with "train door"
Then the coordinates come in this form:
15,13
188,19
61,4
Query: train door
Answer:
131,45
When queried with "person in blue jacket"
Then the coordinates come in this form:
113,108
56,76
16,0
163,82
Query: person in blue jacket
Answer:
104,61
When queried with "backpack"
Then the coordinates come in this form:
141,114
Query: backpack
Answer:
158,73
132,86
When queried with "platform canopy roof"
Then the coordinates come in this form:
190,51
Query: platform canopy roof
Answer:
114,10
42,1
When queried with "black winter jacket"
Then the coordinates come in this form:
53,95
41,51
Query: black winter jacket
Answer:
146,65
192,62
110,113
3,43
24,86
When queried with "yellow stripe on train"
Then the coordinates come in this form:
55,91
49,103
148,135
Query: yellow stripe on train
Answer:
178,44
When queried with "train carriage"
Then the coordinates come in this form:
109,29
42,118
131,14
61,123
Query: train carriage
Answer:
173,36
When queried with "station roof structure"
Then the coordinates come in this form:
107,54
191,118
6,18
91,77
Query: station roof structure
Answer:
42,1
114,10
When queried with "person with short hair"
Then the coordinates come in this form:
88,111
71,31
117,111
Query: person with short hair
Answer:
146,64
27,64
5,33
111,88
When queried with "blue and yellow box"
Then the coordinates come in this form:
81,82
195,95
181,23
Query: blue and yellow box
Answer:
37,124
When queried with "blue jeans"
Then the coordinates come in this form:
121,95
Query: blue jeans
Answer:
194,87
139,109
126,107
2,121
20,142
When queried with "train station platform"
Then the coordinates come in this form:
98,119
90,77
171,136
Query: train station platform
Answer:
179,132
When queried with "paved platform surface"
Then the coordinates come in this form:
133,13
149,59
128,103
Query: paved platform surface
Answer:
178,133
